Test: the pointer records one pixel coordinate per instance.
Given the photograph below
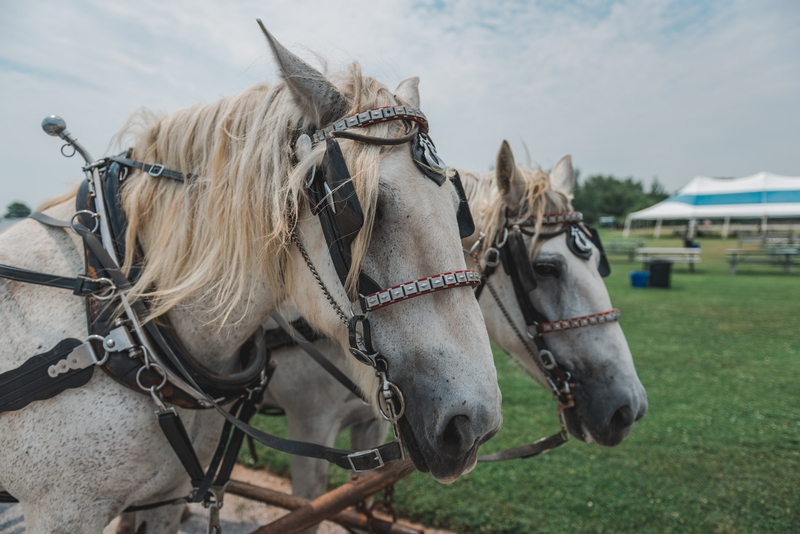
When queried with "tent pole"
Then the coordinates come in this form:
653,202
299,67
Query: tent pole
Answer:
764,226
627,229
726,227
657,230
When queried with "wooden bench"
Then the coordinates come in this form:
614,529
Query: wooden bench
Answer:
771,238
623,248
772,256
674,255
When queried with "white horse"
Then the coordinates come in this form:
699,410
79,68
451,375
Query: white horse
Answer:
218,261
608,394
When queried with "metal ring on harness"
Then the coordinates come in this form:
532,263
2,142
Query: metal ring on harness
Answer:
66,145
495,256
158,369
384,396
110,291
101,339
548,360
93,215
502,243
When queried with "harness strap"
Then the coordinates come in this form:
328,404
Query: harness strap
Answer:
45,375
526,451
49,221
358,461
421,286
80,286
318,357
155,170
173,429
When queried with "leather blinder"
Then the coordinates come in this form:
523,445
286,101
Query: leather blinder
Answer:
603,267
334,200
423,152
578,243
517,264
466,225
343,199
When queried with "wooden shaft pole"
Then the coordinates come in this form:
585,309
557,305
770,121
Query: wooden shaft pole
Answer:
333,502
292,502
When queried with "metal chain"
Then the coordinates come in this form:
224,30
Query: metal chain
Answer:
534,356
320,283
387,504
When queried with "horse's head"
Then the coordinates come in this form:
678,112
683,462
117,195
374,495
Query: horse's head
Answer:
391,219
560,276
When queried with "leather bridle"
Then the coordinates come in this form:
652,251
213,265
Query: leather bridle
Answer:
509,249
335,202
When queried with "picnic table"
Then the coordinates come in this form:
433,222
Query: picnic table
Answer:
775,256
786,239
624,247
675,255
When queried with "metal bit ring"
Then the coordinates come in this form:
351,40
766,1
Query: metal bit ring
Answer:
387,412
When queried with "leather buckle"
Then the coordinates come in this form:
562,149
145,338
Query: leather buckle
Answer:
365,456
156,170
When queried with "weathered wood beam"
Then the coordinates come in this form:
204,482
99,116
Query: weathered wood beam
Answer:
330,506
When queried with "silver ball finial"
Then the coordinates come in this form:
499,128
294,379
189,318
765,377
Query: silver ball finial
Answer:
55,126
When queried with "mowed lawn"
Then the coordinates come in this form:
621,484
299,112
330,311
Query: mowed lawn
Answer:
719,450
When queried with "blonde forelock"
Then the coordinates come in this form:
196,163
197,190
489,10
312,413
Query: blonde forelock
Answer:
489,208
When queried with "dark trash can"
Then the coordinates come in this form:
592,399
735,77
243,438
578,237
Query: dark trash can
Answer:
659,273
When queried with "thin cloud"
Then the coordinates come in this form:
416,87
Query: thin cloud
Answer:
667,88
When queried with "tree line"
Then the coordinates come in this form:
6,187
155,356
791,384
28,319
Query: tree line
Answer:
603,195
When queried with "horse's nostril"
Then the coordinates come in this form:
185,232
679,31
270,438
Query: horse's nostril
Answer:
622,418
455,438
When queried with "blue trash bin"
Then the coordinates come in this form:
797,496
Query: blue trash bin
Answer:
639,278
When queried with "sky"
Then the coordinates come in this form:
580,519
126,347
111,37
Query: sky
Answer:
661,88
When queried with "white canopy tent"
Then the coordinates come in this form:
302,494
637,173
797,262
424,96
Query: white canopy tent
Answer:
760,196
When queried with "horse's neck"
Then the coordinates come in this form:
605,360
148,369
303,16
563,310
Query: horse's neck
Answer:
214,342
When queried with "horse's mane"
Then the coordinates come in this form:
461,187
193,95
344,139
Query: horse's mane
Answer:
489,210
208,236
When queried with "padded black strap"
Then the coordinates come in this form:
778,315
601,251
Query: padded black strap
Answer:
318,357
31,381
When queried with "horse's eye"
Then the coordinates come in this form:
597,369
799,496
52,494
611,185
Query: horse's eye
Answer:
545,269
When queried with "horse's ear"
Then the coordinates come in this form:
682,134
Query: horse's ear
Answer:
562,177
302,148
319,100
408,91
509,181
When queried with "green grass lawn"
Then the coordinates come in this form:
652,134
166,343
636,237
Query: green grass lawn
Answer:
719,449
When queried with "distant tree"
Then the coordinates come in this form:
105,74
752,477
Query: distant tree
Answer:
606,195
17,210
